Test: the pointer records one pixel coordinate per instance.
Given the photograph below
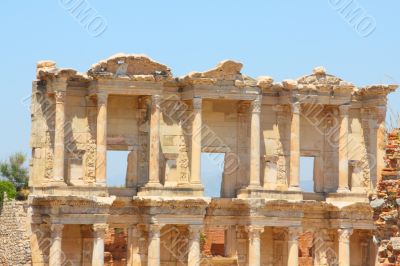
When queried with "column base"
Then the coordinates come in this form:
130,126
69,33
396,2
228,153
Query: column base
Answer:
269,194
347,197
343,190
294,188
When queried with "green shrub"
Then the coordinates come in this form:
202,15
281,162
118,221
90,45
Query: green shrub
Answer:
9,188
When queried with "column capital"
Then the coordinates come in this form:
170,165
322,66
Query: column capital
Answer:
60,96
99,229
344,234
294,233
344,109
255,105
56,230
195,230
254,231
156,101
155,230
295,107
197,103
102,98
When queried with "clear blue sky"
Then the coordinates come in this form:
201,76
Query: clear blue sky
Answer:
282,39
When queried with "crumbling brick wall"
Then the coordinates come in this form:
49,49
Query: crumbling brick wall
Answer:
14,237
115,247
386,204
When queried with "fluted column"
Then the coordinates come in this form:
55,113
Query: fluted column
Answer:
154,152
153,253
343,149
55,258
59,137
344,246
195,177
194,256
293,245
295,148
255,245
99,231
255,157
101,158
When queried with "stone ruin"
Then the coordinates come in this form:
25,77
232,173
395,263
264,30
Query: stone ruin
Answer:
132,103
385,203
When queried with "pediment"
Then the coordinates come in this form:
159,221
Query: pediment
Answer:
129,65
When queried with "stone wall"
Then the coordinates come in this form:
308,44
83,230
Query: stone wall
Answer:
386,205
14,239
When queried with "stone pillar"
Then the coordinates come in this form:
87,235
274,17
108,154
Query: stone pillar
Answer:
380,141
343,148
344,246
133,254
99,231
293,245
153,253
230,241
59,137
194,256
56,255
255,157
294,178
131,171
154,145
255,245
101,156
195,176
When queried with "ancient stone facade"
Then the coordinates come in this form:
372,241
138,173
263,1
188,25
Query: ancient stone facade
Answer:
132,103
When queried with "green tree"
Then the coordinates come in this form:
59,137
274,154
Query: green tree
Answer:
9,188
15,171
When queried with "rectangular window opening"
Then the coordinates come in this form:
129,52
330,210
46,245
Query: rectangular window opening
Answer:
117,163
212,168
307,173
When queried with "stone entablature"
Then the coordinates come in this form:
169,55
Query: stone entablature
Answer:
132,103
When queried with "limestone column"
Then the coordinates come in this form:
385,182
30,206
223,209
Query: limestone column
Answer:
230,241
194,256
293,245
131,169
55,258
255,245
133,256
101,157
255,135
154,151
380,141
153,253
99,231
294,178
59,137
344,246
195,177
343,149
